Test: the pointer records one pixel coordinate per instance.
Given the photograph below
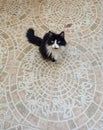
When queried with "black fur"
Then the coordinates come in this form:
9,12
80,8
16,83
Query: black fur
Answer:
46,40
32,38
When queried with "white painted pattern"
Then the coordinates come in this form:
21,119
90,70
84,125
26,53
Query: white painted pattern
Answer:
36,94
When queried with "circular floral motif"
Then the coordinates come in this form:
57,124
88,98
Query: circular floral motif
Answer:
55,15
56,89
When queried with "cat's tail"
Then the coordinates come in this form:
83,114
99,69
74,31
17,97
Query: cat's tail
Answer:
32,38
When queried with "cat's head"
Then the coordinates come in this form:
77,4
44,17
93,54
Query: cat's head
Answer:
56,40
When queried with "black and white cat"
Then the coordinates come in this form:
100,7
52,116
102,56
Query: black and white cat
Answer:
51,46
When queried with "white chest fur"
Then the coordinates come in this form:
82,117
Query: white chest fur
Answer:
56,53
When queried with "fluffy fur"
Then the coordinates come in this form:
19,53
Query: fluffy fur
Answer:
51,46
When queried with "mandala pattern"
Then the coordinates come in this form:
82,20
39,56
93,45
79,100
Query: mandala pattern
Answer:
36,94
83,15
56,89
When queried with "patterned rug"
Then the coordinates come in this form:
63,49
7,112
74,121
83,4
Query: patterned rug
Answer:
41,95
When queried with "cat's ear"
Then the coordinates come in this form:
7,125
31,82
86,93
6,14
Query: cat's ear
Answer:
50,34
62,34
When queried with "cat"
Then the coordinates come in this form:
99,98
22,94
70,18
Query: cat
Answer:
51,46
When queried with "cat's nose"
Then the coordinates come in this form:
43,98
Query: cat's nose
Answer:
55,46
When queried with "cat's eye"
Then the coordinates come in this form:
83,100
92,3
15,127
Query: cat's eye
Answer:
52,41
59,41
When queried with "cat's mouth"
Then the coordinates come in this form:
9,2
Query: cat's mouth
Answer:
55,48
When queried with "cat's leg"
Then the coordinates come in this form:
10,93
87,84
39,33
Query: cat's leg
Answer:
43,52
53,60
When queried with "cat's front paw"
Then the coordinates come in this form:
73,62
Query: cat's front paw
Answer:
53,60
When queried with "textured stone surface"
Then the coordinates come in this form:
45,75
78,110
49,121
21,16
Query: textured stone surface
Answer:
41,95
